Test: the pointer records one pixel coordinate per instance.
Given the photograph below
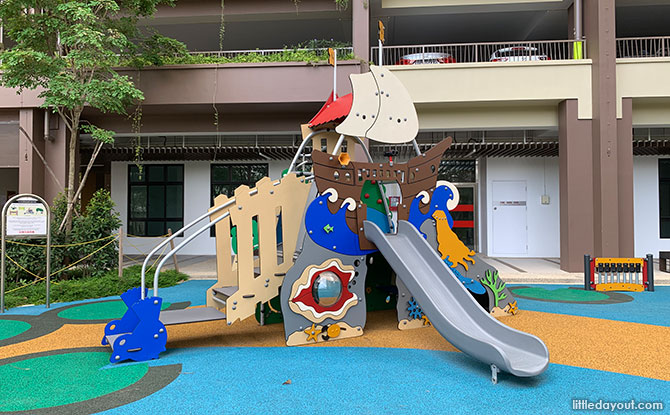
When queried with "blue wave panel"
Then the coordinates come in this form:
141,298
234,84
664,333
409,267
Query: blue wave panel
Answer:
438,201
329,230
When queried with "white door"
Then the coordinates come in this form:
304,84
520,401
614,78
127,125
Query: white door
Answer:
510,233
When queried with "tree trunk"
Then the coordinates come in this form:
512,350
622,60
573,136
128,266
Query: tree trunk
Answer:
72,169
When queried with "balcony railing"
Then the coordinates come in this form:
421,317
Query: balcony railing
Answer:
643,47
274,55
481,52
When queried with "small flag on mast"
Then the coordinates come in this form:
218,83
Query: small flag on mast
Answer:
332,60
381,42
331,56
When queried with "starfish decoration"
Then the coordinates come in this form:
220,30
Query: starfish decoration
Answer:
426,322
312,332
513,308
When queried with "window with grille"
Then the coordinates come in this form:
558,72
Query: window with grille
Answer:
155,199
664,196
227,177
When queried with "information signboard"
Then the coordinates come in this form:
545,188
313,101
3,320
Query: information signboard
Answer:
27,218
24,216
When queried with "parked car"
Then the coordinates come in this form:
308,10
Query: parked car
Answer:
518,54
426,58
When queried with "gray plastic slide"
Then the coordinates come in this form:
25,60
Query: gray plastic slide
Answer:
452,310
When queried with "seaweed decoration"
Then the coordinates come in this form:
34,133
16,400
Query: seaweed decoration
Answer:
495,284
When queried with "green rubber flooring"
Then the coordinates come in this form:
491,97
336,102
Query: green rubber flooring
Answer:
62,379
107,310
560,294
10,328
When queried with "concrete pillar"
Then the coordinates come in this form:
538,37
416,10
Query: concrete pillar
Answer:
31,168
571,21
625,180
56,156
600,32
360,27
575,187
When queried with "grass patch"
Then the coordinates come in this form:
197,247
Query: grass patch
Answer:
94,287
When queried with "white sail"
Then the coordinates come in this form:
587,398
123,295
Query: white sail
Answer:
396,121
382,109
364,107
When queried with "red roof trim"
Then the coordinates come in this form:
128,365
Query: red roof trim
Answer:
332,110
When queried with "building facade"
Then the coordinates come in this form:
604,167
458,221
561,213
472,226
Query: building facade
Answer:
558,108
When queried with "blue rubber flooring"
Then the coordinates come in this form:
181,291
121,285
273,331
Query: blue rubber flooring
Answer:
646,307
336,380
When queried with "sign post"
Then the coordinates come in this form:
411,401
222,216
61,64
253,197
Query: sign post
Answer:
25,216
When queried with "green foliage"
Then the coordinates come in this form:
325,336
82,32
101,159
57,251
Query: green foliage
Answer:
97,222
70,49
495,284
177,54
99,134
105,285
100,220
158,50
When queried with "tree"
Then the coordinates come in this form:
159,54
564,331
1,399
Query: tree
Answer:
70,49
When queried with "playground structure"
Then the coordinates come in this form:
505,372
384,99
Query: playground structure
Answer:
619,274
310,238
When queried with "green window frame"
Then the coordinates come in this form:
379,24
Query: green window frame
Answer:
664,197
155,199
225,178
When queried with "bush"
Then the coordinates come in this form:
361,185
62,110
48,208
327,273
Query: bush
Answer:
108,284
100,220
159,51
97,222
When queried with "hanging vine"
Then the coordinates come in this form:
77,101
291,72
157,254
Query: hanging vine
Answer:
136,128
342,4
222,33
222,27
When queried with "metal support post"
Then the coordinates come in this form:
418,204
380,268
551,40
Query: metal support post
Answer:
587,272
650,272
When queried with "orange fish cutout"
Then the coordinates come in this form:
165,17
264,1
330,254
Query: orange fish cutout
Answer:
448,243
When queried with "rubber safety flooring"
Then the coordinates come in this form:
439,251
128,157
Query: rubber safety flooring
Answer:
613,347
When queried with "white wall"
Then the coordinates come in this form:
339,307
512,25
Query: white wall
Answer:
9,181
196,202
646,204
543,220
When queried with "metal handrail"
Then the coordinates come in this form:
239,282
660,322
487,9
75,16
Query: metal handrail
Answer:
643,47
478,52
175,235
197,233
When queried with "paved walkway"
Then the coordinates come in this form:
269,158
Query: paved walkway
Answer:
548,271
512,270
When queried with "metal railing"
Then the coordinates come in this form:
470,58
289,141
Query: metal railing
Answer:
342,53
643,47
481,52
